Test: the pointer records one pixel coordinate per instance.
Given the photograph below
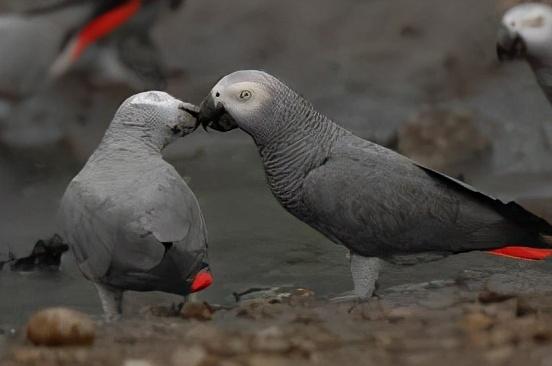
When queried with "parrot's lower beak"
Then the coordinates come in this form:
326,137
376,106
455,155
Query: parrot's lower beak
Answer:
509,45
215,116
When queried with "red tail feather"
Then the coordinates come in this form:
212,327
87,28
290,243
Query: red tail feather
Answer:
534,254
103,25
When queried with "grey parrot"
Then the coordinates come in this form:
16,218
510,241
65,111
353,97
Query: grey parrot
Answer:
42,42
130,219
106,41
377,203
525,33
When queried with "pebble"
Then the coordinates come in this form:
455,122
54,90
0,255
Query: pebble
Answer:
270,340
477,322
60,327
189,356
132,362
197,310
268,360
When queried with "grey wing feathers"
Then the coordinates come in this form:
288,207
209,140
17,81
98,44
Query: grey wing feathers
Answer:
87,231
380,203
172,210
129,234
511,210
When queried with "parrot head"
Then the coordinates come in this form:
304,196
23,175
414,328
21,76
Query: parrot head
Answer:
253,101
156,116
525,32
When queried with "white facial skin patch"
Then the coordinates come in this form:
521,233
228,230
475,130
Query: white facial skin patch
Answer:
536,22
241,99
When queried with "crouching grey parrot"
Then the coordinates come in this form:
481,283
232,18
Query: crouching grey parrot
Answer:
525,33
130,219
377,203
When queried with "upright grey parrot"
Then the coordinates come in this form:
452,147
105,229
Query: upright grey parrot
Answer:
130,219
525,32
377,203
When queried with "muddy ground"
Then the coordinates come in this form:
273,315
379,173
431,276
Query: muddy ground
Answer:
373,66
463,322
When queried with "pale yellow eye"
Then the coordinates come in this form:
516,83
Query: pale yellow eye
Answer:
245,94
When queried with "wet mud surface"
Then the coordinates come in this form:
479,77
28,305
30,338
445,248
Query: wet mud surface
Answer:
466,321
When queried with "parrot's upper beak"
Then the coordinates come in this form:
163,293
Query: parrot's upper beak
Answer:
215,116
509,45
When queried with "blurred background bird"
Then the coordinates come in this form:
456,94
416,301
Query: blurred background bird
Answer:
104,42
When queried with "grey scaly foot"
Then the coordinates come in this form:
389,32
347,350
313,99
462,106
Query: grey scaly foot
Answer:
193,297
365,272
112,302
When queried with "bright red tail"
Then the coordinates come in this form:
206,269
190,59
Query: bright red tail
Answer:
532,254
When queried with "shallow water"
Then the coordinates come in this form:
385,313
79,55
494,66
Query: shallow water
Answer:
253,241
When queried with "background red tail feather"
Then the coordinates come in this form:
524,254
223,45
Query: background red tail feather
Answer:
104,24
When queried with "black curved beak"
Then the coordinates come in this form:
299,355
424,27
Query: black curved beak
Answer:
213,115
509,45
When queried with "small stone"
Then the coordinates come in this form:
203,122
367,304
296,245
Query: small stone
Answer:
489,297
27,355
204,333
228,363
197,310
269,360
477,321
542,336
192,356
499,355
60,327
301,296
261,309
270,340
400,313
137,363
227,346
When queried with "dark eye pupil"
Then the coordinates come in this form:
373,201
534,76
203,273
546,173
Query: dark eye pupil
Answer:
217,94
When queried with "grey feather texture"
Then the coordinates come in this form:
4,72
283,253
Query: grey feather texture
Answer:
359,194
130,219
